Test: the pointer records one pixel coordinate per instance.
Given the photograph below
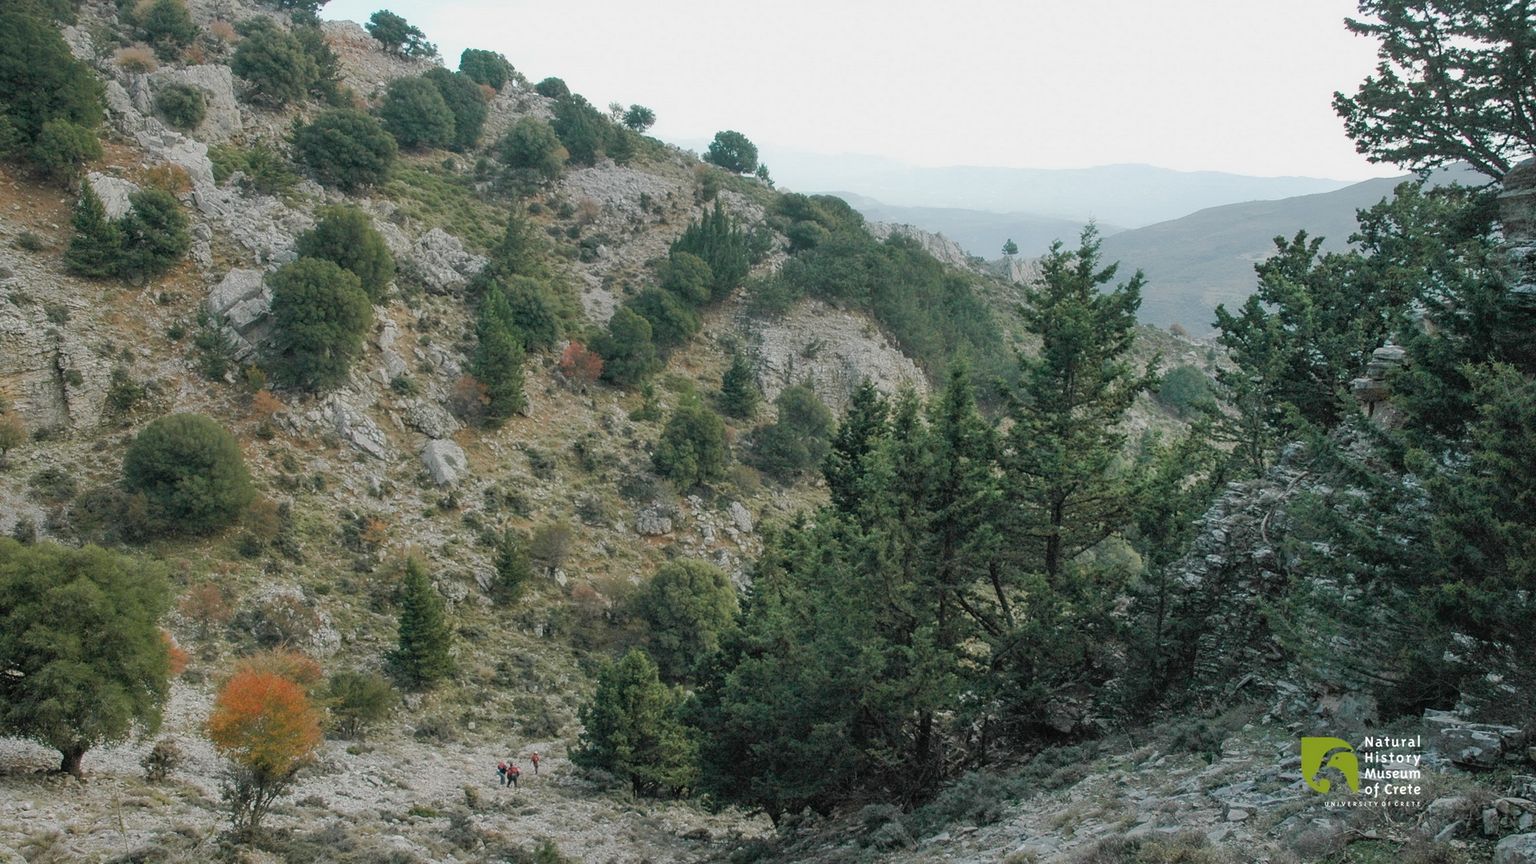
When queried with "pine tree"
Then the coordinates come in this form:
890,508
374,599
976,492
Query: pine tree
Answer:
739,395
422,658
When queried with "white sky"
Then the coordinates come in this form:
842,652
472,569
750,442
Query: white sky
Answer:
1227,85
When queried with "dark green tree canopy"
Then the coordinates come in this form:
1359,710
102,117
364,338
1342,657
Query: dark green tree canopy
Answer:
346,149
532,149
190,471
398,35
631,728
40,81
732,151
582,129
692,450
422,659
166,25
321,315
499,355
797,441
552,88
415,112
345,236
182,105
739,393
274,63
689,607
629,355
639,118
82,659
154,235
1454,82
467,103
487,67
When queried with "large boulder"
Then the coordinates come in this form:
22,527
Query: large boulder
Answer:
1471,745
1516,849
444,460
114,192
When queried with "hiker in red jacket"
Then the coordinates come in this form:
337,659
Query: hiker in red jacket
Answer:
501,773
512,774
535,758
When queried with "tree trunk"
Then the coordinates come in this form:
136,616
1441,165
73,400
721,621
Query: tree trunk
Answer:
71,762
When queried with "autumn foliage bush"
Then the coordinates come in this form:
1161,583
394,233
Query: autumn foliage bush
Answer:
580,365
268,727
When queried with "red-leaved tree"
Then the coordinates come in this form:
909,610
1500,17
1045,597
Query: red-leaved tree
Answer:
268,727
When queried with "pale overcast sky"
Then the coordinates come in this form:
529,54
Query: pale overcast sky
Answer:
1226,85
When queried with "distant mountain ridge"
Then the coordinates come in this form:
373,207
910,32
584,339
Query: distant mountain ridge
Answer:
980,232
1199,261
1126,195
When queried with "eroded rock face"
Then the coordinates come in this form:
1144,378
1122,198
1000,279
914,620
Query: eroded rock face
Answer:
243,301
1473,745
222,119
440,264
834,350
1516,849
1517,210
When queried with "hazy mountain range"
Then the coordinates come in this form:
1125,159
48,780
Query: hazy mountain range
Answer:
1193,262
1126,195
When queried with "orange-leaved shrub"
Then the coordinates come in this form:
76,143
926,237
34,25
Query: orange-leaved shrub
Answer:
269,728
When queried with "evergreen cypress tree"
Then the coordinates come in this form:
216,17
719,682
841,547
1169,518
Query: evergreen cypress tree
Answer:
632,728
514,568
97,241
718,240
857,436
1067,411
422,656
739,396
499,355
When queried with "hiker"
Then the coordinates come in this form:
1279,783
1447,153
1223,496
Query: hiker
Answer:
535,759
501,773
512,772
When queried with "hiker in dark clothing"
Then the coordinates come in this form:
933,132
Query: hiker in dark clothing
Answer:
535,758
512,773
501,773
